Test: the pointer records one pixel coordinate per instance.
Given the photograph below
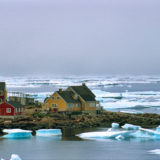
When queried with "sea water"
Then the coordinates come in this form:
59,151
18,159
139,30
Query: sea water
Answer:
131,94
51,149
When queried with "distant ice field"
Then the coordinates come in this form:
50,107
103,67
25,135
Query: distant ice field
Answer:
134,94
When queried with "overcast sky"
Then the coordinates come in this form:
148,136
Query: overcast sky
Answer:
80,36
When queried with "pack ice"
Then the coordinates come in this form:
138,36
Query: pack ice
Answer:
49,132
127,131
17,133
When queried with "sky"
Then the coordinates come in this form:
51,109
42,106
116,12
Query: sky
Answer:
80,37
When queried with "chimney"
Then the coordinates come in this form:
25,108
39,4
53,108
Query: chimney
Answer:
75,97
83,84
60,90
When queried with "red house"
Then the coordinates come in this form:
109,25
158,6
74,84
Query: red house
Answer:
3,92
10,109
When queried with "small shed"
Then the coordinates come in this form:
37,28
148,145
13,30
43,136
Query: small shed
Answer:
10,109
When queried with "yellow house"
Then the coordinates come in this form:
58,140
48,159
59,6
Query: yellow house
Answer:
74,98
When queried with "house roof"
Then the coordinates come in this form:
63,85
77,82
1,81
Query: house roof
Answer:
68,96
2,86
15,104
84,92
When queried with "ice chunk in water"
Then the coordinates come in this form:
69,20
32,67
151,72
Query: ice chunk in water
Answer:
104,135
49,132
120,137
15,157
155,151
130,127
115,125
17,133
158,129
146,133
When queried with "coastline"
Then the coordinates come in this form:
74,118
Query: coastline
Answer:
74,124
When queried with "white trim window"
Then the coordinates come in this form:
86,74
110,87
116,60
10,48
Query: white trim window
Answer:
8,110
70,105
77,105
92,104
54,105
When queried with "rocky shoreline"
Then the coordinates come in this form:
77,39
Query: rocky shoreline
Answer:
77,123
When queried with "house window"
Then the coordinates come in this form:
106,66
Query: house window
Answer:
54,105
8,110
16,110
47,107
58,98
53,98
19,109
77,105
22,109
70,105
1,93
92,104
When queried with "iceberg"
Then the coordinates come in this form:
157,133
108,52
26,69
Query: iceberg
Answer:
49,132
17,133
131,127
115,125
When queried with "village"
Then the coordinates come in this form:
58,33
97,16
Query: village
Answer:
75,99
72,110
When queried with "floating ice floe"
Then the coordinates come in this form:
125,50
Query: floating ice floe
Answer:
115,125
127,131
110,134
130,127
49,132
158,129
132,111
17,133
155,151
14,157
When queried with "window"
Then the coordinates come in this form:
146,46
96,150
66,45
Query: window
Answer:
1,93
19,109
70,105
16,110
22,109
77,105
58,98
92,104
53,98
8,110
54,105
